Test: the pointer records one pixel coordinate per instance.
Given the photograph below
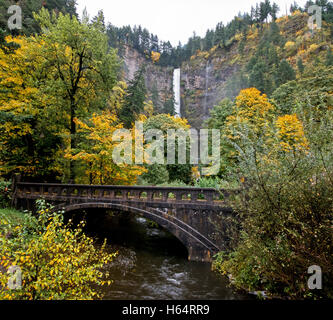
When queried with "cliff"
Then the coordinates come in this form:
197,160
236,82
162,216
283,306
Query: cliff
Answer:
159,80
204,82
210,76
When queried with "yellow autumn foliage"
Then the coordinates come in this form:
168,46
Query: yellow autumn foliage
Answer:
96,150
21,100
57,262
155,56
291,133
252,109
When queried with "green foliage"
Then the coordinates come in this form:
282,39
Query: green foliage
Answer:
156,174
5,192
284,73
300,66
57,261
169,107
67,72
165,122
314,91
219,114
134,100
260,78
329,57
29,24
209,182
29,143
285,207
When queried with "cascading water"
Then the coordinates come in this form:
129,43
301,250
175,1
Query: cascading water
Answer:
208,68
176,91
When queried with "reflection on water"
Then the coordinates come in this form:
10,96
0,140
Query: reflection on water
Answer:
152,264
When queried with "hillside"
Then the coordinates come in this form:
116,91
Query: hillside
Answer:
264,55
246,52
253,60
86,103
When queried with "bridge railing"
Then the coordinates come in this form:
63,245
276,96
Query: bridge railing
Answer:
143,193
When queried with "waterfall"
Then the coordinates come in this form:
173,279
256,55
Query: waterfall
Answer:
206,87
176,91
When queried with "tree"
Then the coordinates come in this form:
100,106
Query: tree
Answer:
294,7
300,65
165,122
29,126
274,34
260,78
274,11
251,112
219,114
284,73
290,96
169,107
291,133
134,100
84,69
278,224
329,57
155,56
95,153
29,24
155,98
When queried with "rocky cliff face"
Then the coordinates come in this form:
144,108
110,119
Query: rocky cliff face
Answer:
159,80
204,82
210,76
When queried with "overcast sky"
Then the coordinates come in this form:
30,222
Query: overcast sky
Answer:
173,20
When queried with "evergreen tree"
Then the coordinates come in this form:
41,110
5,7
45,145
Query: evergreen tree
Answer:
29,24
329,57
169,107
284,73
134,101
242,42
260,78
300,65
274,34
99,21
155,98
274,11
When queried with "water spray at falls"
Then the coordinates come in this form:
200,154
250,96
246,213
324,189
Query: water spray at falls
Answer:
176,91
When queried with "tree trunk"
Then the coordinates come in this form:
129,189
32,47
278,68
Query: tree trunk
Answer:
73,139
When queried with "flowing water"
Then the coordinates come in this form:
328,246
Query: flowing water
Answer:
176,91
152,264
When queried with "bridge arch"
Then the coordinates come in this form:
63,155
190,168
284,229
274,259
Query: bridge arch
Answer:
199,247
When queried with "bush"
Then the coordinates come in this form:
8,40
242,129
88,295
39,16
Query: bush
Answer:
209,182
286,207
156,174
5,192
57,261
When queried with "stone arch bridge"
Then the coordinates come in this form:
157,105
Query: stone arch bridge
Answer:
196,216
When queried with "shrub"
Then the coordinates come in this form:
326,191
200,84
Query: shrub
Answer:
4,193
156,174
57,261
209,182
286,207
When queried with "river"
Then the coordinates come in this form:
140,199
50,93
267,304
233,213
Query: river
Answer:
152,264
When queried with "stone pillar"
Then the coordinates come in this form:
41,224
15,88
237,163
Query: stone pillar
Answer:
199,254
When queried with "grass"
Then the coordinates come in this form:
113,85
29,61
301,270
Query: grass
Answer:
12,216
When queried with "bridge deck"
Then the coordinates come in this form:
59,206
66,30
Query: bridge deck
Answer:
194,215
154,196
